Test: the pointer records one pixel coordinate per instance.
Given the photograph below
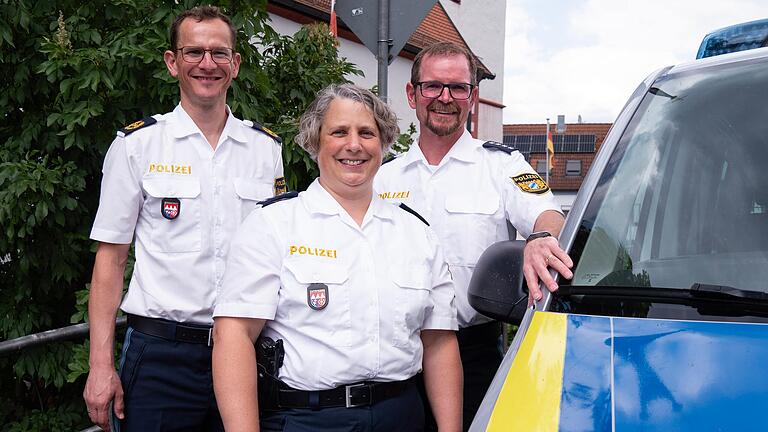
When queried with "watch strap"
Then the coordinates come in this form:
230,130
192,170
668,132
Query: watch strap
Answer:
537,235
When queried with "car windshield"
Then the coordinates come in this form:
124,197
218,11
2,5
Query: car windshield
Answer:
684,196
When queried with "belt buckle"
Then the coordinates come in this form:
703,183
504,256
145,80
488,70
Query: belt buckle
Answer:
348,400
210,336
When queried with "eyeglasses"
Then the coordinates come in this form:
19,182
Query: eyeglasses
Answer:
221,55
433,89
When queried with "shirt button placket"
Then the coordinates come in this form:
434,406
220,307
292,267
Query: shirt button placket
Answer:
217,215
369,269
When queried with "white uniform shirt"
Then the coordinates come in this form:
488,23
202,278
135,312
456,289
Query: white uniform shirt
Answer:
386,281
180,262
467,199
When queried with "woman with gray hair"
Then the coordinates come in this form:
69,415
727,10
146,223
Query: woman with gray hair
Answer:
346,296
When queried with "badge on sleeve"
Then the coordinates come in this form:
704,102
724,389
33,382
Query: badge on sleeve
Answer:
317,296
531,183
171,207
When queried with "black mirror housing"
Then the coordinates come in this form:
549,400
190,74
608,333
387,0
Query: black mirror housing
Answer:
497,288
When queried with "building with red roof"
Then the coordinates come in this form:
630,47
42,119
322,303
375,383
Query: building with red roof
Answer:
478,26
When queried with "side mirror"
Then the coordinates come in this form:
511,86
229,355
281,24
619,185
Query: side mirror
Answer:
497,288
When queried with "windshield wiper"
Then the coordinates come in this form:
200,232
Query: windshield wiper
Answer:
713,301
726,292
659,92
697,291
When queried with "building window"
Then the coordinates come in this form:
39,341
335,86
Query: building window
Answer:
573,168
541,168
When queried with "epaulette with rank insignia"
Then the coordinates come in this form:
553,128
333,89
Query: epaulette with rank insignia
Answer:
278,198
266,131
413,212
133,127
493,145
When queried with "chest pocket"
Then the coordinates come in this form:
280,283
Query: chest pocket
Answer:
182,233
250,192
412,291
330,324
473,223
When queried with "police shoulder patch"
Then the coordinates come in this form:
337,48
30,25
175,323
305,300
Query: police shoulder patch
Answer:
493,145
266,131
531,183
278,198
281,186
139,124
413,212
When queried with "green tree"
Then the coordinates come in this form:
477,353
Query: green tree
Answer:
403,142
72,73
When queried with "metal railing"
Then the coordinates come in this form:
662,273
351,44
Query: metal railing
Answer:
56,335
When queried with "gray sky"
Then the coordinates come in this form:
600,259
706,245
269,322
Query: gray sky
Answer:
586,57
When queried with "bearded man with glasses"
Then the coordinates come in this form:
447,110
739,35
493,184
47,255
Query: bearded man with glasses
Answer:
469,190
179,184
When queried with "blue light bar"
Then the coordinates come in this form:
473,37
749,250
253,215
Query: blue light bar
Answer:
739,37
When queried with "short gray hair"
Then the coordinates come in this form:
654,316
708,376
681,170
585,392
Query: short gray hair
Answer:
312,119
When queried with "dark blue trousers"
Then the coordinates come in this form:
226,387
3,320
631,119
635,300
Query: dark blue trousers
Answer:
168,386
403,413
481,356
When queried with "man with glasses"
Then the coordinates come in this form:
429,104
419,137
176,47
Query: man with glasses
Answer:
180,184
468,190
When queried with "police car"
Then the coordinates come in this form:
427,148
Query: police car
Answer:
664,326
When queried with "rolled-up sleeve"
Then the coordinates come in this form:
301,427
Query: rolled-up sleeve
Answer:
252,275
442,315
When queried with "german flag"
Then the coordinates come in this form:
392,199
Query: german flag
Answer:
550,150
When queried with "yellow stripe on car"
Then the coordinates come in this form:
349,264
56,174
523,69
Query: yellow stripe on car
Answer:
530,397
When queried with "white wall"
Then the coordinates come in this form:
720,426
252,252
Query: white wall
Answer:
490,119
481,23
399,70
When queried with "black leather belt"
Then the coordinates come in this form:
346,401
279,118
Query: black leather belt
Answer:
172,330
353,395
479,334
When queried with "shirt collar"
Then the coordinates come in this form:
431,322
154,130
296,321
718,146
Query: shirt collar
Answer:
234,128
464,149
185,126
320,201
414,154
381,208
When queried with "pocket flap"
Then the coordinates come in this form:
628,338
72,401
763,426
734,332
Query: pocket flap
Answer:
171,188
310,271
411,276
254,190
477,204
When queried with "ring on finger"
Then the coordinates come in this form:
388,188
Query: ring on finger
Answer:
546,260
